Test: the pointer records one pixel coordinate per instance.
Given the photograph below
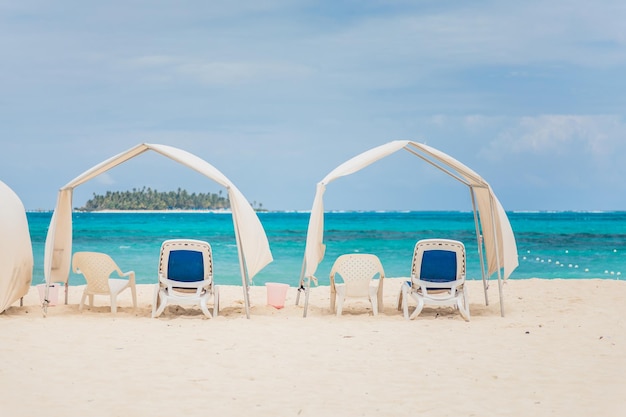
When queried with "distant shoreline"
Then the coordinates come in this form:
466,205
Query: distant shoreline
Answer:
228,211
219,211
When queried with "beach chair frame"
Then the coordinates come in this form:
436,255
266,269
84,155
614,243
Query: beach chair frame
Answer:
436,280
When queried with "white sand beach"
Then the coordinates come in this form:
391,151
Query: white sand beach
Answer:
560,350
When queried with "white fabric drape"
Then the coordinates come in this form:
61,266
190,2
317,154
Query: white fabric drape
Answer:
16,251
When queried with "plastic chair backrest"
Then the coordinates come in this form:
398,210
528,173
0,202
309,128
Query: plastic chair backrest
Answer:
186,260
438,260
185,266
438,266
357,271
96,268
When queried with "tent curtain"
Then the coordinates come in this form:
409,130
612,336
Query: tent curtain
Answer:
16,252
495,224
254,247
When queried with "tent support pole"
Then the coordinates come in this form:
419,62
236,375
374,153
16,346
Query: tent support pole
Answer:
301,286
439,167
497,245
479,239
44,305
306,288
243,269
501,294
307,291
246,299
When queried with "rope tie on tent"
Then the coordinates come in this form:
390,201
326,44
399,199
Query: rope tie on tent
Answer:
311,278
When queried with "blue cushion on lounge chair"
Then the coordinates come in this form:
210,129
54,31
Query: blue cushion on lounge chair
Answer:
185,266
438,266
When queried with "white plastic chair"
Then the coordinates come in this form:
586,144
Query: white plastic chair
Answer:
357,272
437,277
97,269
185,276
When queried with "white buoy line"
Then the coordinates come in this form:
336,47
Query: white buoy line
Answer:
539,259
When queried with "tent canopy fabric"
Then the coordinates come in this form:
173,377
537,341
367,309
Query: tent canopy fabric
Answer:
254,250
498,238
16,251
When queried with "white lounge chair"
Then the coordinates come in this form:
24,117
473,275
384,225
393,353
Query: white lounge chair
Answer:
185,276
437,277
97,269
357,272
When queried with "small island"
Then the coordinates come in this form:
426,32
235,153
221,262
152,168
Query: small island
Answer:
149,199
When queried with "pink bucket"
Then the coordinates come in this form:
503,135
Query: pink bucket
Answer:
53,293
276,294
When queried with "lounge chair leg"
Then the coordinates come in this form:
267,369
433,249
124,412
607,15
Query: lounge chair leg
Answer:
133,290
339,306
204,308
463,304
405,303
82,302
374,302
463,310
161,307
216,302
155,300
418,309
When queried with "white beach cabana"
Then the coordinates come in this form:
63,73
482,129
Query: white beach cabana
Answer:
16,251
493,230
252,244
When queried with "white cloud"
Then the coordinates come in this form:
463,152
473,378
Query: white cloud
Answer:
223,72
152,61
484,35
105,179
598,136
478,122
580,154
438,120
167,68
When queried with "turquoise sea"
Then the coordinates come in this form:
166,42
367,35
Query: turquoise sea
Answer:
550,245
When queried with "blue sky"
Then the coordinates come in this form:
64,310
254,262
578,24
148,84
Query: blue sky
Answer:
275,94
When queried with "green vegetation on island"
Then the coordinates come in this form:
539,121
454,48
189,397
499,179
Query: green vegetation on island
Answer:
149,199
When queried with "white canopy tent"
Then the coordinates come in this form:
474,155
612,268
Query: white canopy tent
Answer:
16,251
490,218
252,244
